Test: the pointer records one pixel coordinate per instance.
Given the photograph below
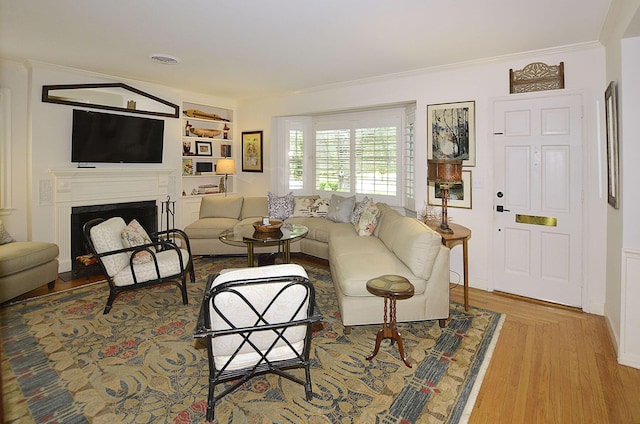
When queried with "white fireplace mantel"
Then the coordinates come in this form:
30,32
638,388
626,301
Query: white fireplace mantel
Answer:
95,186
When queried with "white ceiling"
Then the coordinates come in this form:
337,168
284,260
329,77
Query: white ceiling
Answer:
249,48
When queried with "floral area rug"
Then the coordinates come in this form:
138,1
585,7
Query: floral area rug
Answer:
63,361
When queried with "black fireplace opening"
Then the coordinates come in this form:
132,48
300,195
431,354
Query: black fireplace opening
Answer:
145,212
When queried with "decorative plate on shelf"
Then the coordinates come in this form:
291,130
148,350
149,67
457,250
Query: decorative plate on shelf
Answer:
273,225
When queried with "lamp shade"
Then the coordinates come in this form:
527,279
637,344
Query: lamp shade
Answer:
447,171
225,167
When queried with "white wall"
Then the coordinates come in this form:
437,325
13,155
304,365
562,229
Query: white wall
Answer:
481,82
629,106
621,224
14,78
41,139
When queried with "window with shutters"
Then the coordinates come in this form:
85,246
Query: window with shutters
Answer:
296,159
356,153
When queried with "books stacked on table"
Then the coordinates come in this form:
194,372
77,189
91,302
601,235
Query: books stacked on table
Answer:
208,189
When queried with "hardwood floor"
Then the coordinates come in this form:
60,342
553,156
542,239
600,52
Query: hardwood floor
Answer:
550,365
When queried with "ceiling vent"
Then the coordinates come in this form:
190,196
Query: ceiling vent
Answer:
165,59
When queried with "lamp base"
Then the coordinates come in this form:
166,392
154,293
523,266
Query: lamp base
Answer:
444,230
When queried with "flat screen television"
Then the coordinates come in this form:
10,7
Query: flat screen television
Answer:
108,138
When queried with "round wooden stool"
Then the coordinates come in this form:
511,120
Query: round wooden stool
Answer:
392,288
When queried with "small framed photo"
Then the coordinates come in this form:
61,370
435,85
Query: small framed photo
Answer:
187,166
204,148
459,194
451,132
252,151
225,150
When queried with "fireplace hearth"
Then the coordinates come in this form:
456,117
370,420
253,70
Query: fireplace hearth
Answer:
145,212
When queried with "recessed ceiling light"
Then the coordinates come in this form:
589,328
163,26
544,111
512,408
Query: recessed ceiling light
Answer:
165,59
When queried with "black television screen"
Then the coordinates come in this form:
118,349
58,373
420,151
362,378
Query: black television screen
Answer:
108,138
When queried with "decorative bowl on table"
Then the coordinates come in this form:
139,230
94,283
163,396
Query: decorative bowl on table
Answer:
273,225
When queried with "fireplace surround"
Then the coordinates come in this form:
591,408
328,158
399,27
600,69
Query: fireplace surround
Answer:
145,212
89,187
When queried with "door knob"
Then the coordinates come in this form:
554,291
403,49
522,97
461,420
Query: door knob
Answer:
501,208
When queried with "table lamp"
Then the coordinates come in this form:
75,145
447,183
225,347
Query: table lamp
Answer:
225,167
444,173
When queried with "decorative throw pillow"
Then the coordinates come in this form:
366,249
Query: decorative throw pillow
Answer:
134,235
340,208
357,211
280,207
5,237
320,208
302,205
368,219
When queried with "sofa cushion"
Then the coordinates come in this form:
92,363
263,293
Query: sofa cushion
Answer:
134,235
22,255
221,207
355,269
302,205
416,245
340,208
106,238
368,219
320,208
254,207
357,210
206,228
386,230
280,207
5,237
319,228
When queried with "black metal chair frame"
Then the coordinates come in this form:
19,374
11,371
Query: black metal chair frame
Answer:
160,241
263,365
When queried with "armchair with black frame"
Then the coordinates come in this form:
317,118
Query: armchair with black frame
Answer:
131,259
255,321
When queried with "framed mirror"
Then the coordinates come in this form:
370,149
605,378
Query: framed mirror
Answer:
110,96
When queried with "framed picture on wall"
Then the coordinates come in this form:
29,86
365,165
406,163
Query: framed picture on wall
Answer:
459,194
252,151
611,116
451,132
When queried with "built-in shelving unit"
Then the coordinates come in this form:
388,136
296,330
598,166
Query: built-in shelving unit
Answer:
207,136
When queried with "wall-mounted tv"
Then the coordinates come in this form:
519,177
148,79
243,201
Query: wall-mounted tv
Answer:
108,138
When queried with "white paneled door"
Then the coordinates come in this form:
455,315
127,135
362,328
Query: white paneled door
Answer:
538,197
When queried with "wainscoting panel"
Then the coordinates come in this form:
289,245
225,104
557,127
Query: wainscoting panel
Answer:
629,351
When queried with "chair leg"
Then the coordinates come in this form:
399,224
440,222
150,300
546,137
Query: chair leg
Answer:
112,297
308,391
183,289
51,284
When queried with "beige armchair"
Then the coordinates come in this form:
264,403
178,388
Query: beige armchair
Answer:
146,260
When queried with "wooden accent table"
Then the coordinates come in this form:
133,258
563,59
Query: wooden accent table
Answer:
391,287
461,235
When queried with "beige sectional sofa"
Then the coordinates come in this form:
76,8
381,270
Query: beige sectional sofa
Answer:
399,245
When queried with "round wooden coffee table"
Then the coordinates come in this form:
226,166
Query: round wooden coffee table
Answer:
392,288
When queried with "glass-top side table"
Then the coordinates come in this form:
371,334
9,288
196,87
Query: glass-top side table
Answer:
247,235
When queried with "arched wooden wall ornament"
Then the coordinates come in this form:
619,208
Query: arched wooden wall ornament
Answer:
536,76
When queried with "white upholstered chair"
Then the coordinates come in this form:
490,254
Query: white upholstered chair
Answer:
257,320
152,259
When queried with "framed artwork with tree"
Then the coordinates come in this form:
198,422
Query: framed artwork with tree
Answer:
451,132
